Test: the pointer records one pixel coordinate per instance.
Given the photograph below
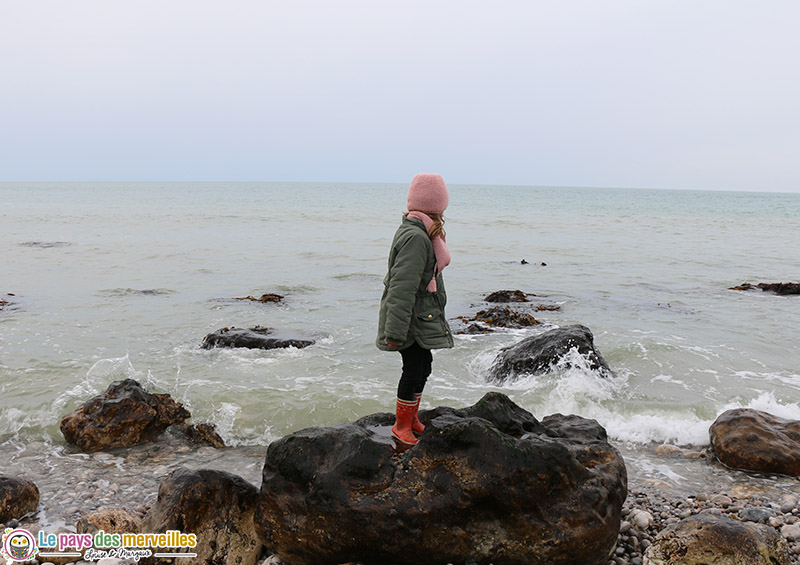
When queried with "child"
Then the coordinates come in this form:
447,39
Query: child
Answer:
411,318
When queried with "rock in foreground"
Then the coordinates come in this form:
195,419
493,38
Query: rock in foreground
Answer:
538,354
215,506
123,416
488,483
17,498
753,440
254,338
708,538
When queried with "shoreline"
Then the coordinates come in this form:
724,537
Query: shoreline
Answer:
647,511
74,485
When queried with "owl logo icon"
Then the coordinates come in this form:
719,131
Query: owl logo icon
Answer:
18,545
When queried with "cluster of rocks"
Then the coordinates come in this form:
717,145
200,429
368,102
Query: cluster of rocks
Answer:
126,415
708,527
505,316
777,288
487,483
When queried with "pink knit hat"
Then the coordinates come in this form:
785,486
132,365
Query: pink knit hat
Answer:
428,193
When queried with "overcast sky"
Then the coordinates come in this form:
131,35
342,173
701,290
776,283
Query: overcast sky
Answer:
632,93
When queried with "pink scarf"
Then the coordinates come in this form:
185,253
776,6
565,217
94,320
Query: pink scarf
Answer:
439,247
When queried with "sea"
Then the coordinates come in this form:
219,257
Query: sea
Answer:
107,281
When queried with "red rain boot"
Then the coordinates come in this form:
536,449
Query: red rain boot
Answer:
416,425
401,431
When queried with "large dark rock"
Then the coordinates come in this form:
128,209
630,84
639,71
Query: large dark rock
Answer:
254,338
538,354
214,505
488,483
753,440
17,498
707,538
123,416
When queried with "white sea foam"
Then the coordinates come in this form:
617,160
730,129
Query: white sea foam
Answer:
767,402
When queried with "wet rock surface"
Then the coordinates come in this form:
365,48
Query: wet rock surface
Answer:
500,317
7,301
253,338
123,416
753,440
264,298
217,507
488,483
540,353
708,537
508,296
515,313
777,288
205,434
18,497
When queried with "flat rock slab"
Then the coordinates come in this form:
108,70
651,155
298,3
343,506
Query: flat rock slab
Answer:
18,497
539,354
777,288
124,416
253,338
488,483
753,440
708,538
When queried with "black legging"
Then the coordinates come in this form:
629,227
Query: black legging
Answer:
416,369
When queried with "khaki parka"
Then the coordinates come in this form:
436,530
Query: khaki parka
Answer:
408,312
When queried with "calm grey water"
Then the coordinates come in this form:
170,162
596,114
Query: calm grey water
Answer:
115,280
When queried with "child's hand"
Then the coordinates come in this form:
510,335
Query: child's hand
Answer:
392,345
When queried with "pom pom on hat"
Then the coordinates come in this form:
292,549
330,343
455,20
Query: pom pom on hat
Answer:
428,193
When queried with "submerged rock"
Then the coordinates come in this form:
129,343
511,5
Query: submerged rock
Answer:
253,338
508,296
753,440
777,288
17,497
710,538
485,484
501,317
538,354
269,297
4,302
123,416
214,505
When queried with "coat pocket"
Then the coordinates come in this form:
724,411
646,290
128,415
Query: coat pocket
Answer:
430,326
